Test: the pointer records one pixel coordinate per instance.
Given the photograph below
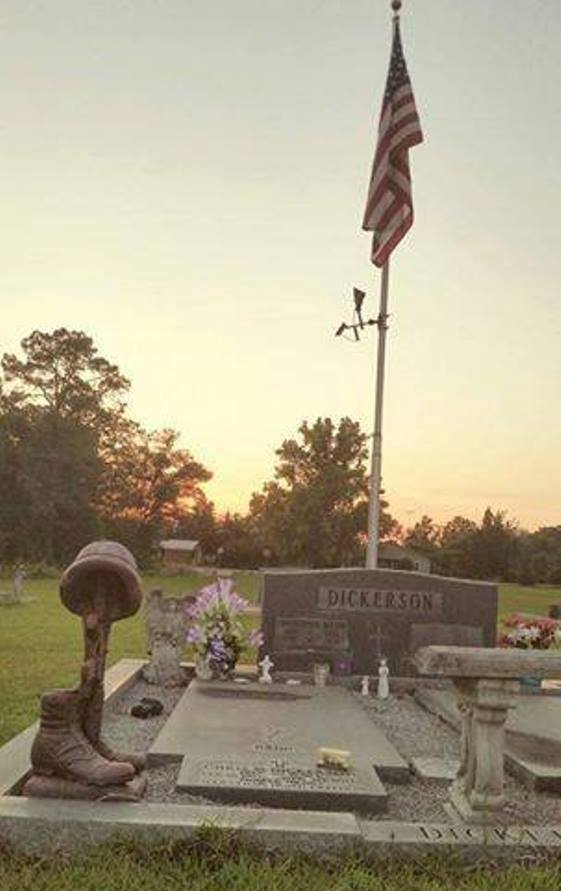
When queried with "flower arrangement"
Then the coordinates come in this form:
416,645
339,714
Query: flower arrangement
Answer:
217,631
531,632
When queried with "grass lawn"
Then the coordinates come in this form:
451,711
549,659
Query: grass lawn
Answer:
41,643
216,862
519,599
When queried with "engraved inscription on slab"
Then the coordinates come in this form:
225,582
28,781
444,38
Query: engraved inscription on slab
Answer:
295,633
275,774
425,603
275,741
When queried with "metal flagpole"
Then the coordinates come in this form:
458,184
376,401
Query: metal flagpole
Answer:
389,215
376,465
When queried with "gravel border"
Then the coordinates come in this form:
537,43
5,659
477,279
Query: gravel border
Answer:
414,732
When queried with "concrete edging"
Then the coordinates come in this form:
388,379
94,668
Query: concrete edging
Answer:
41,826
34,825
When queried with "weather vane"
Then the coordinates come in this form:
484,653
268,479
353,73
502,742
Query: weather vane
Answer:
358,324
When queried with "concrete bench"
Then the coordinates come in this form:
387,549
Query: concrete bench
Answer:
487,683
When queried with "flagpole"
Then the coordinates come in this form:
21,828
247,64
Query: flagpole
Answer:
376,464
388,215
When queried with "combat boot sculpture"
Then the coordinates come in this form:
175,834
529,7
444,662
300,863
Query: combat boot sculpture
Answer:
69,757
62,749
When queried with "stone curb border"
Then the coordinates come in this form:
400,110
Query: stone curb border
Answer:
50,827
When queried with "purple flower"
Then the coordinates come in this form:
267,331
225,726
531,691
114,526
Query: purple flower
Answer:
195,635
255,638
216,628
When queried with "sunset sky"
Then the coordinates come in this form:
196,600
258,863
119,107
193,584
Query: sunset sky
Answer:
185,181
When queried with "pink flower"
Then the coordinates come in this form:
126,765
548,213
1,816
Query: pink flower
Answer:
255,638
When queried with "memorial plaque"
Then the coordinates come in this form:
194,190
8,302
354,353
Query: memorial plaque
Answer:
303,634
385,613
282,784
259,744
446,635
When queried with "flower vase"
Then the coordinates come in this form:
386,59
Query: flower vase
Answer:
321,673
202,669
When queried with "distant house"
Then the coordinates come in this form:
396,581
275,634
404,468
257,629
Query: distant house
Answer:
394,556
181,550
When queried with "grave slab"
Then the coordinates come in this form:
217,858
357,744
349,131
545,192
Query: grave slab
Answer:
256,743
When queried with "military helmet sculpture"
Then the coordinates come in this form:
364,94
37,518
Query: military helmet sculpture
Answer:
69,757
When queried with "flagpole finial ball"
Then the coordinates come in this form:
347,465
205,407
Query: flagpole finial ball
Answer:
396,5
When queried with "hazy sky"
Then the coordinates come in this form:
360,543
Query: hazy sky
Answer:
185,181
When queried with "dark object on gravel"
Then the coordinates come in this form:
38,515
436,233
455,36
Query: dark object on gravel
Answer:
147,708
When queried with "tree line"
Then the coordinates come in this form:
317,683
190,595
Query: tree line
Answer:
495,548
74,466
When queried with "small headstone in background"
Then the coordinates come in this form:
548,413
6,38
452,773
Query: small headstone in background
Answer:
19,578
166,627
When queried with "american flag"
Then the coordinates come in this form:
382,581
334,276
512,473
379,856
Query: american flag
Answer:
389,207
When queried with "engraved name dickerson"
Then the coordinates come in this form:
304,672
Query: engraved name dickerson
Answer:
373,599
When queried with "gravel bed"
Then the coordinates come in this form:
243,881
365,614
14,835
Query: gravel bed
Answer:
414,732
137,734
127,733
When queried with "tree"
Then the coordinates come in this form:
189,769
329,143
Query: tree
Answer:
148,486
238,546
457,553
423,536
63,373
537,557
494,545
199,523
314,512
72,465
61,398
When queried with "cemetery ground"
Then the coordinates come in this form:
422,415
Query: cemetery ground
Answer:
41,647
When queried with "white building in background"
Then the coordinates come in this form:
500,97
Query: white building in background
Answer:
181,551
394,556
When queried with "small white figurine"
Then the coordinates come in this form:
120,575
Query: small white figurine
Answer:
365,686
265,665
383,680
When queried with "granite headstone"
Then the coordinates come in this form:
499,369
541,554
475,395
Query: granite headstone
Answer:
352,617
